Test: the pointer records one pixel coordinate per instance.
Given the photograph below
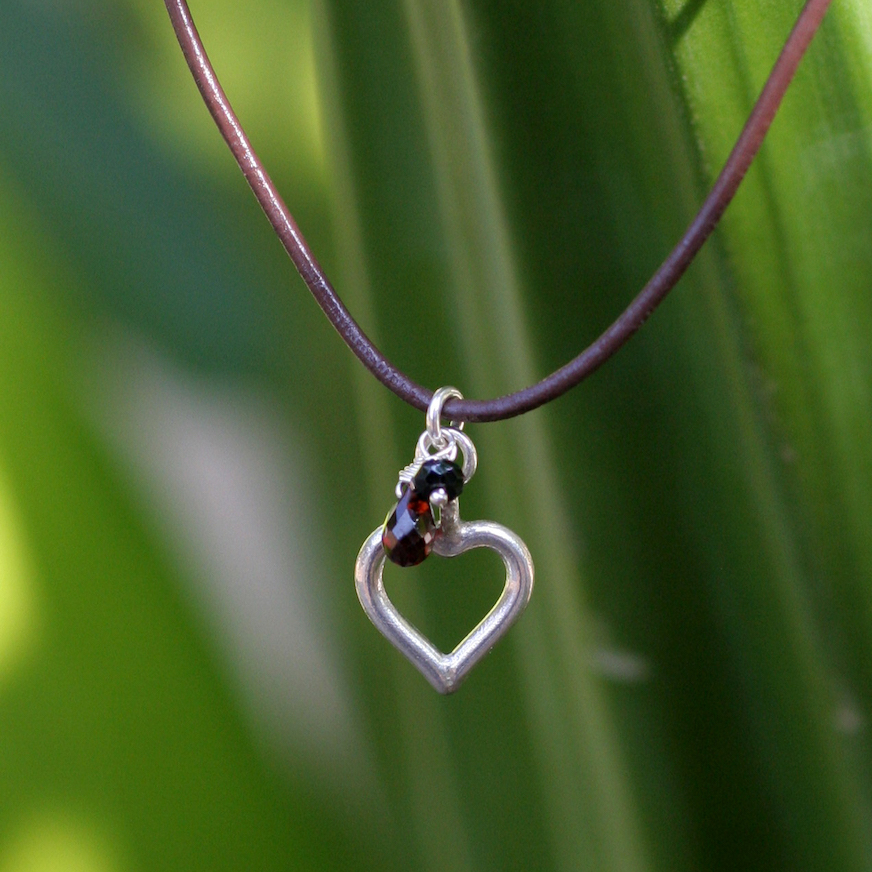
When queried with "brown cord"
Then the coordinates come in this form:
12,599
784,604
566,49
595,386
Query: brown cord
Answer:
633,317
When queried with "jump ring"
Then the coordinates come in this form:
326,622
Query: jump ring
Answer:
456,442
434,415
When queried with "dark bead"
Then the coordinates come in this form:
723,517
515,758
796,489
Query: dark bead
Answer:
409,531
434,474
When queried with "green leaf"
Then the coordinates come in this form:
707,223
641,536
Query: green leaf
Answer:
548,154
488,184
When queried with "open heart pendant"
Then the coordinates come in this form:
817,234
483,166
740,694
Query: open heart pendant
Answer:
427,518
446,671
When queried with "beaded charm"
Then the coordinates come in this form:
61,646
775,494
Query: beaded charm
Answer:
411,528
427,519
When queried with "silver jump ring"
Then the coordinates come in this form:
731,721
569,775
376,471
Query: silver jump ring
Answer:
428,449
468,454
434,415
455,442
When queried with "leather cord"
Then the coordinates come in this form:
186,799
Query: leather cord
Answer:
601,349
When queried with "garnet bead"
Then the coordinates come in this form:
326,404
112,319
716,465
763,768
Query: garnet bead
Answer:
409,531
442,473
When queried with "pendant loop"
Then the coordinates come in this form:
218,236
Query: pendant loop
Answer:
434,414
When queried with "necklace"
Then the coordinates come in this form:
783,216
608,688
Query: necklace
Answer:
426,518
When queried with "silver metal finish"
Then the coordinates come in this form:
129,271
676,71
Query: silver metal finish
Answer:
434,414
439,498
446,671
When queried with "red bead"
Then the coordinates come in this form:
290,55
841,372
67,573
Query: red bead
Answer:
409,531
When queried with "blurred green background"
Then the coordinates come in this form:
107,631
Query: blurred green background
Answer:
190,458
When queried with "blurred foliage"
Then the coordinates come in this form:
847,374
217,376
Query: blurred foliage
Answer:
189,458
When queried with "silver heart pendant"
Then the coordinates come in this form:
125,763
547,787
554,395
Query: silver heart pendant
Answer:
446,671
427,518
